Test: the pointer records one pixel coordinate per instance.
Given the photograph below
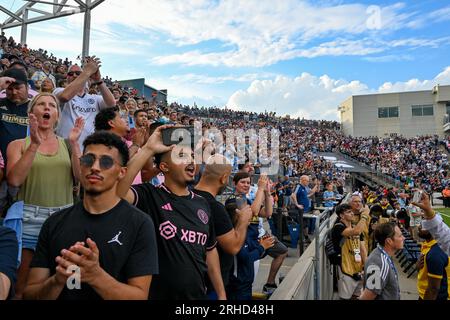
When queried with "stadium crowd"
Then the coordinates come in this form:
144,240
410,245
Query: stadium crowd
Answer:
87,181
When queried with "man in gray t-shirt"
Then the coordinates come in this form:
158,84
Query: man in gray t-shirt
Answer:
380,274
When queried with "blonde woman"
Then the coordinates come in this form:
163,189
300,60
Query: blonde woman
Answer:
42,167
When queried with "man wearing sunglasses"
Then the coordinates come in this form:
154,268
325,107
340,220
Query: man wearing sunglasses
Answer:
183,222
77,102
109,245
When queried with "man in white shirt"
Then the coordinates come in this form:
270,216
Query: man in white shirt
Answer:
77,102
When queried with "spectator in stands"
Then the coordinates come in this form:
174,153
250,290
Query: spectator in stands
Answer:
39,162
230,236
355,203
76,103
392,196
13,108
403,219
140,121
349,242
434,223
385,205
172,207
446,196
60,74
301,199
434,273
112,243
131,106
8,262
261,201
287,192
241,280
329,199
47,85
109,119
43,71
380,274
173,117
116,93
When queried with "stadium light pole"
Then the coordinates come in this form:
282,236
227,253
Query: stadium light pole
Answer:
60,8
86,30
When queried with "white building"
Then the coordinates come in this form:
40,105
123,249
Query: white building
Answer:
402,113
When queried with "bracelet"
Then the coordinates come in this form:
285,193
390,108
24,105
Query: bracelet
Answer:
98,83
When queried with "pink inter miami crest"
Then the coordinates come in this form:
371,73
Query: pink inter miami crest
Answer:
203,216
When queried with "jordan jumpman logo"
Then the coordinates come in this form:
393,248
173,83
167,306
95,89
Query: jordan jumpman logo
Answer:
116,239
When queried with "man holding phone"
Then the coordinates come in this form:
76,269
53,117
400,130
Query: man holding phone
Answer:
183,222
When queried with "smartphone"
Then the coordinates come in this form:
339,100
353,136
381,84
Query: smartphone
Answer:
241,202
417,197
176,135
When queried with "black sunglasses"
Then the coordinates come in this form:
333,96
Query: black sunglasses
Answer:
71,73
88,160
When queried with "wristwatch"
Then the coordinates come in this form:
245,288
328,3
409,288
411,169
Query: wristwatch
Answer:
98,83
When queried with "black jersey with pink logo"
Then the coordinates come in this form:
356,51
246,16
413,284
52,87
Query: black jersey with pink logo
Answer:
184,232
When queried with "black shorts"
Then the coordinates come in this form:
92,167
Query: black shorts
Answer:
277,249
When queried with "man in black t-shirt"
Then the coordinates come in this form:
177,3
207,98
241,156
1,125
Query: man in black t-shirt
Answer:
184,225
212,183
108,244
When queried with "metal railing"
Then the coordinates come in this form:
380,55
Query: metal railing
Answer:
372,172
311,278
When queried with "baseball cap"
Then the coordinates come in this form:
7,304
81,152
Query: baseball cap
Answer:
19,75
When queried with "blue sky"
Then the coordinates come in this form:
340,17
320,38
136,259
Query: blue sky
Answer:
294,57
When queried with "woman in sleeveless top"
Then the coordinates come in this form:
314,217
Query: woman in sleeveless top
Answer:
44,166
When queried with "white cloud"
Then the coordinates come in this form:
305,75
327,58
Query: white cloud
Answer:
315,97
204,79
260,32
416,84
390,58
306,96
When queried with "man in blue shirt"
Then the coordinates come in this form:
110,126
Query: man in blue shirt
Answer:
302,201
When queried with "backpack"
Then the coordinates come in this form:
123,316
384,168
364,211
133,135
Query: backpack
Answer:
334,256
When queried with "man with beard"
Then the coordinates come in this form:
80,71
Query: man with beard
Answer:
107,242
186,238
212,183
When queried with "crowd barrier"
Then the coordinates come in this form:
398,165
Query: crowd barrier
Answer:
311,278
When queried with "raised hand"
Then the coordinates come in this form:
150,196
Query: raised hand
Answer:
155,142
77,129
92,67
263,180
267,242
425,205
139,136
34,132
5,82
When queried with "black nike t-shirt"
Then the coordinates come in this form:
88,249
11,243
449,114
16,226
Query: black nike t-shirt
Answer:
124,235
222,225
185,231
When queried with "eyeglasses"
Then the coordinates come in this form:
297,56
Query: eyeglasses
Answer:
88,160
71,73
